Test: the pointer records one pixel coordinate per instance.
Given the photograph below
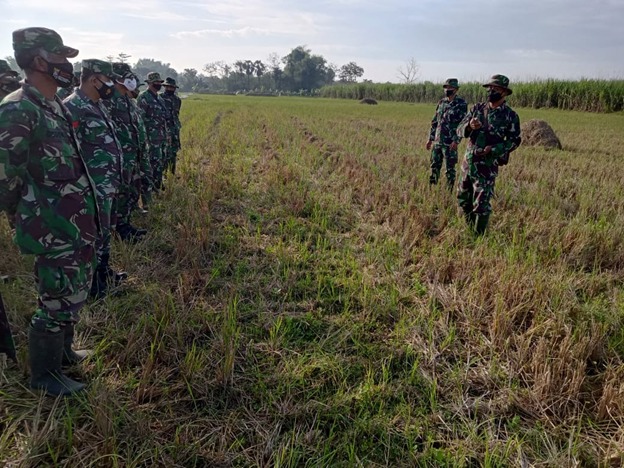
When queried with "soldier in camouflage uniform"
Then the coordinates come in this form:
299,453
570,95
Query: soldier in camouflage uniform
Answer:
493,130
122,110
103,155
443,134
173,103
155,118
146,182
46,190
9,79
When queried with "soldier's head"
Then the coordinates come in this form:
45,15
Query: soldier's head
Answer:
135,93
97,79
170,85
127,82
154,82
77,75
451,86
40,52
498,89
9,79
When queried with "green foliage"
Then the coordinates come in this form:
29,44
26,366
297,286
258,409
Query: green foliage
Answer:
584,95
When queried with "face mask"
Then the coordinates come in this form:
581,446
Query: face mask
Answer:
157,86
169,93
8,85
106,90
63,73
449,92
494,96
130,84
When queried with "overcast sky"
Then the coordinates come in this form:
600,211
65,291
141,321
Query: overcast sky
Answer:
471,40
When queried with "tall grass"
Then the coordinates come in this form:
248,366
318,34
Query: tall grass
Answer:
582,95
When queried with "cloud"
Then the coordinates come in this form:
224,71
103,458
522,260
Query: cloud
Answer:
242,32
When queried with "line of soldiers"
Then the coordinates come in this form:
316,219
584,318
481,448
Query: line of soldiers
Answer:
72,172
493,132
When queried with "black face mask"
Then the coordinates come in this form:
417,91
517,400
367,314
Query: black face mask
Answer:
10,86
494,96
63,73
169,93
157,86
449,92
106,90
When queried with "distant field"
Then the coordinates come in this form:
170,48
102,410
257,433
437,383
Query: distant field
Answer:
305,299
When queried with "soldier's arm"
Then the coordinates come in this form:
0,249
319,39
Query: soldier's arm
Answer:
463,129
434,124
458,116
15,136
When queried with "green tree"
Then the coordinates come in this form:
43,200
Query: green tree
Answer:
304,71
144,66
350,72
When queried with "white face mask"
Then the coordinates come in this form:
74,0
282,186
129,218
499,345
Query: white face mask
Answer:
130,84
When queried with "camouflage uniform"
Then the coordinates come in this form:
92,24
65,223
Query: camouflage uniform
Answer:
146,176
173,103
9,79
155,118
500,130
46,190
121,109
102,153
443,132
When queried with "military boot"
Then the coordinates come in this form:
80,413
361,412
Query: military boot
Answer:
481,224
471,219
111,277
71,357
99,284
129,233
45,354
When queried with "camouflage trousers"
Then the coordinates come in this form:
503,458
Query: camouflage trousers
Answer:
63,283
440,154
145,184
173,152
108,220
128,194
476,187
158,160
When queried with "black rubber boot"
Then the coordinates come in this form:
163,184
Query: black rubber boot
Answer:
129,233
111,277
45,353
481,224
98,284
71,357
471,219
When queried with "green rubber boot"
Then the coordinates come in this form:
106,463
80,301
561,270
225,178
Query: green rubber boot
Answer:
481,224
45,353
71,357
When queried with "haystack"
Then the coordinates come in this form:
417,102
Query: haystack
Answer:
538,133
368,101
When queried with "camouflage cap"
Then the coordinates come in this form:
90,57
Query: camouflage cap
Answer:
154,77
47,39
170,82
99,66
6,69
501,81
122,69
451,83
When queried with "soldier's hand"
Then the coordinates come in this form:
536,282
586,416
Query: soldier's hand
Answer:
453,146
487,150
475,123
428,145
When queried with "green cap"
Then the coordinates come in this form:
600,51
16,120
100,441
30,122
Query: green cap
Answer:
170,82
47,39
451,83
122,69
154,77
499,80
6,69
99,66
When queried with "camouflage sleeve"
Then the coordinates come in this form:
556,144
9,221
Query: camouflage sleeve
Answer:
15,135
434,124
512,137
463,129
462,110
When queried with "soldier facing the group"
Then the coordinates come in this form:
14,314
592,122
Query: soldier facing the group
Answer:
443,137
493,132
173,103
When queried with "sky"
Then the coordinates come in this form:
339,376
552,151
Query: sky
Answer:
470,40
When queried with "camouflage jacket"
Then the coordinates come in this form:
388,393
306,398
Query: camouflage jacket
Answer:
154,115
101,149
121,110
444,124
173,103
500,129
44,182
63,93
137,115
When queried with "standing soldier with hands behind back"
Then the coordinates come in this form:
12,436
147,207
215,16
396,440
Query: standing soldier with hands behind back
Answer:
493,130
49,197
103,155
173,103
443,134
